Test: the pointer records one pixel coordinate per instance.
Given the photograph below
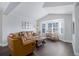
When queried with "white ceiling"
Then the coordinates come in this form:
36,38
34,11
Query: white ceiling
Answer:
54,4
7,7
50,7
11,6
4,5
32,10
59,7
66,9
36,9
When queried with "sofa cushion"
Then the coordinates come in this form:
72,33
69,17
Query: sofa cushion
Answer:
27,42
29,35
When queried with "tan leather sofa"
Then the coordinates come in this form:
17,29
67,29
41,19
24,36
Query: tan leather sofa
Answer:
22,43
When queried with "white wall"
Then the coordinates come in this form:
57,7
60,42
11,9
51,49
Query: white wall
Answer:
76,38
67,24
73,34
0,27
68,29
10,25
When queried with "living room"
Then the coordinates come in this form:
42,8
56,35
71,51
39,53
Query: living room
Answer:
43,27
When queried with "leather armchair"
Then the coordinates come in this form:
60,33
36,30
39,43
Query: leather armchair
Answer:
53,36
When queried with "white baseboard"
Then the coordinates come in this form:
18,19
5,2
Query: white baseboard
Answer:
3,45
76,54
0,44
66,41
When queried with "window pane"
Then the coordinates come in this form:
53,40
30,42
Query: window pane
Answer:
50,27
53,24
43,28
55,27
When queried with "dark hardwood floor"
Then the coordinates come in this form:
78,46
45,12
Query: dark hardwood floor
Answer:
4,51
57,48
51,48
